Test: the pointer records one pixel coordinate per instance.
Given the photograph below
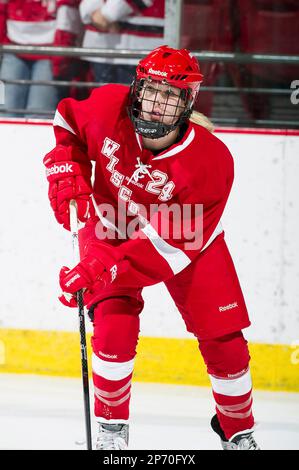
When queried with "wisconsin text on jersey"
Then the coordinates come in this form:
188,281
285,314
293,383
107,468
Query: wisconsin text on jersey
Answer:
174,215
159,184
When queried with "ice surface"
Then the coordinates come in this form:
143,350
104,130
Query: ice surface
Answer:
39,412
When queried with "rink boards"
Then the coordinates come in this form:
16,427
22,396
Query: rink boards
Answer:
162,360
37,335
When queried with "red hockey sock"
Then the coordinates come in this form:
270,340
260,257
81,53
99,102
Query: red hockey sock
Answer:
116,328
112,398
234,412
227,360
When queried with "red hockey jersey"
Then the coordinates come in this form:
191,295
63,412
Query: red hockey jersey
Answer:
179,192
32,22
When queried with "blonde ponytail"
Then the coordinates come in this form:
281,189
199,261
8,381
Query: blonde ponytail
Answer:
201,120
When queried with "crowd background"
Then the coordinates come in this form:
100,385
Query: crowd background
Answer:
253,94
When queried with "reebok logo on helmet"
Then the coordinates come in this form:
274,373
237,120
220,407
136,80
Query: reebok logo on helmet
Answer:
55,169
157,72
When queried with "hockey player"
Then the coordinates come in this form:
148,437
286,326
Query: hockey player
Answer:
150,154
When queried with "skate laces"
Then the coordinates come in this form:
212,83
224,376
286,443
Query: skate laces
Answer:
112,437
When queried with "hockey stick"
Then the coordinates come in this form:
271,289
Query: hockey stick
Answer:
79,294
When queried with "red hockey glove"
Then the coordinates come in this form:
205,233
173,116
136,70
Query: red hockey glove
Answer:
99,267
65,280
67,180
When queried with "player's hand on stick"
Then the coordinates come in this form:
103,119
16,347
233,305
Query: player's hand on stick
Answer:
66,277
67,180
98,268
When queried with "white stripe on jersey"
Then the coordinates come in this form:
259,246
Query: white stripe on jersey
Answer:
217,231
61,122
178,148
31,32
176,258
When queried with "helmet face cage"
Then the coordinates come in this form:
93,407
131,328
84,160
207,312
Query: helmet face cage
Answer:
174,105
163,92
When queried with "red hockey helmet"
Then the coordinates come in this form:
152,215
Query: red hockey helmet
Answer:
175,66
167,66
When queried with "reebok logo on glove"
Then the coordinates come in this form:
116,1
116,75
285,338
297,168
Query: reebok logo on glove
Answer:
73,279
55,169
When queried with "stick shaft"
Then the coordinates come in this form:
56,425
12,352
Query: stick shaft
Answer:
83,346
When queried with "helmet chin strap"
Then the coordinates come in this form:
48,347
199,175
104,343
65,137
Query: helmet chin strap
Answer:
153,130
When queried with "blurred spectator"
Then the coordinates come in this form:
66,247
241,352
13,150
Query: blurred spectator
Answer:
33,22
121,24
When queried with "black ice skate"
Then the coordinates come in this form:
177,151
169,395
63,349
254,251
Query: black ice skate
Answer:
242,440
112,436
